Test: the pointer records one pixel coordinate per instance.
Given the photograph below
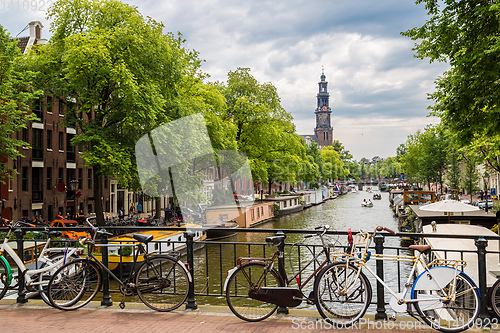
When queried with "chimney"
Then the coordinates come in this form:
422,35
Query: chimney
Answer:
36,30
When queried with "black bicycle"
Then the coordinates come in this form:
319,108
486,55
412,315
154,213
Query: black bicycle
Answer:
161,281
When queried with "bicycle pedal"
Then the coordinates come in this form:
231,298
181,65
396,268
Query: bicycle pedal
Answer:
122,305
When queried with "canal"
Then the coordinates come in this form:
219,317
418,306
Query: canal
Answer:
216,258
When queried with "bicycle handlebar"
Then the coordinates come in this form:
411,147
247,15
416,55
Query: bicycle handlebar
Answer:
381,228
325,227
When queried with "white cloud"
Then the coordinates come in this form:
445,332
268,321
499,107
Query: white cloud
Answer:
378,91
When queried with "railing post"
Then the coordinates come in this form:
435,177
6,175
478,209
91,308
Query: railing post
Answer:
191,301
379,249
281,270
21,294
481,244
106,297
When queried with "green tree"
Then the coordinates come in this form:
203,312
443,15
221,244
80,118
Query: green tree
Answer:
16,91
453,175
121,72
264,130
470,176
334,166
464,33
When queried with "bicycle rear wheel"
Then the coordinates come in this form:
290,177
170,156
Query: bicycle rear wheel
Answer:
3,279
74,285
44,278
342,294
162,283
448,315
241,282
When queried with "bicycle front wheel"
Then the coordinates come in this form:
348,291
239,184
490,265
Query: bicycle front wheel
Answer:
342,294
495,297
245,279
3,279
162,283
74,285
447,304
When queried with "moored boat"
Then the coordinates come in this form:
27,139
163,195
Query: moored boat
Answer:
121,258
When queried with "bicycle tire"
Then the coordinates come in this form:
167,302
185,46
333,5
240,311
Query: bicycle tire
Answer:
449,316
74,285
239,285
45,276
337,309
3,279
495,297
162,283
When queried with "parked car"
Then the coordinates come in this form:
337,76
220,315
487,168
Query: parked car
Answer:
482,204
70,234
464,200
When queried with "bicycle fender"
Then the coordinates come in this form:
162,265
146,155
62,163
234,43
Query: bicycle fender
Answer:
229,274
9,270
441,276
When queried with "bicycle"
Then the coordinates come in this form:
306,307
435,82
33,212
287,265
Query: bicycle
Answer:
254,288
161,281
494,297
37,279
442,295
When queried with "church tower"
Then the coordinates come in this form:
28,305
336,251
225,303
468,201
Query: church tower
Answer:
323,130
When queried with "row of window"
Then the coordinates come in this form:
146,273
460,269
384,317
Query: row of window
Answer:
37,178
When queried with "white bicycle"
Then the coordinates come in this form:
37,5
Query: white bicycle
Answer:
36,280
442,295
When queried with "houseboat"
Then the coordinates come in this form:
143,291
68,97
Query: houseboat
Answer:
246,215
289,204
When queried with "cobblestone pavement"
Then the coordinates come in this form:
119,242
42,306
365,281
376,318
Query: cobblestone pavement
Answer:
39,318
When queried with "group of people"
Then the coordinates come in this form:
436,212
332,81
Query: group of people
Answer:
131,210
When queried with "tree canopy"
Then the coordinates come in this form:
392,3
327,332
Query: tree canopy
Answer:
16,95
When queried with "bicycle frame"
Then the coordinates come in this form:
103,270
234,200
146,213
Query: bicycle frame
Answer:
22,268
361,263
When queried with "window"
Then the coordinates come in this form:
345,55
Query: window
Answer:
61,107
89,178
37,109
80,178
61,141
60,176
24,175
49,139
70,149
50,104
37,184
25,135
37,145
11,181
49,178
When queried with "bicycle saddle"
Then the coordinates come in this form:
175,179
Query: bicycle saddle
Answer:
275,240
420,248
143,238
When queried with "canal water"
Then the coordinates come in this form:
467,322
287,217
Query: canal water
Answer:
346,211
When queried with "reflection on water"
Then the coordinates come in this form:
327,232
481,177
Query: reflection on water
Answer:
341,213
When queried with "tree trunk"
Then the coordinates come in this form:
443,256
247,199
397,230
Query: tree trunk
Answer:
99,212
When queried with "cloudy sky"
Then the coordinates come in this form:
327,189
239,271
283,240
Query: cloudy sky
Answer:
378,90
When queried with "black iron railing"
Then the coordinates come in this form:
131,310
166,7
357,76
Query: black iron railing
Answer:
209,265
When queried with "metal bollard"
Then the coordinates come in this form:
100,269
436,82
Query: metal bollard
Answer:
281,271
191,301
21,294
481,244
106,296
379,249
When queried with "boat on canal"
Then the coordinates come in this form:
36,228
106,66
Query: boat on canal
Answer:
121,257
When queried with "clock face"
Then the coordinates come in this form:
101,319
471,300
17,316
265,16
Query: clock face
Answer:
325,118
